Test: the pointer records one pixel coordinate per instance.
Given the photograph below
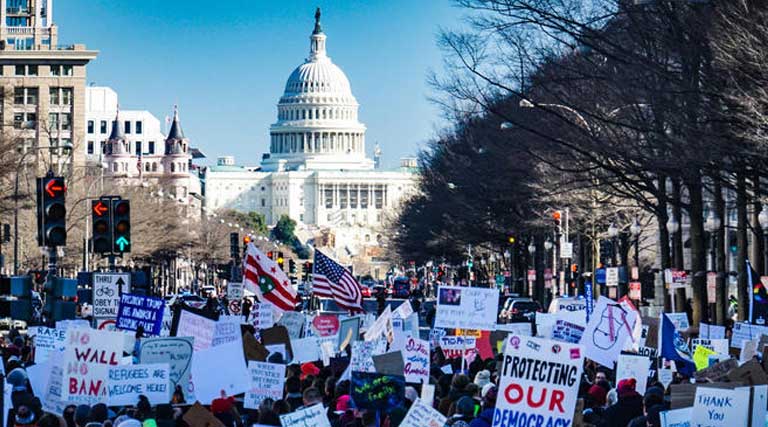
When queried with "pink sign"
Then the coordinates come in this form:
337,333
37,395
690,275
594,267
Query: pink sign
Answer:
326,325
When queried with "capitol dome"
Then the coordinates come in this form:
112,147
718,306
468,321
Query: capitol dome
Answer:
317,125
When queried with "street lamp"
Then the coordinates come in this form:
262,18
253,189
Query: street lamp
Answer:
712,225
547,245
635,229
613,231
531,248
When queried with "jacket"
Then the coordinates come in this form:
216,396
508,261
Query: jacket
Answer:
623,411
484,419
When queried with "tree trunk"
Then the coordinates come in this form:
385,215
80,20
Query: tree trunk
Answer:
678,260
540,260
624,244
741,254
698,250
756,256
661,218
721,284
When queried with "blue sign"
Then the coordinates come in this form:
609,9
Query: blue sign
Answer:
138,310
588,297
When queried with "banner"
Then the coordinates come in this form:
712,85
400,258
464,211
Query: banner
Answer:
633,366
46,341
416,358
539,383
376,391
177,353
266,381
126,383
609,328
201,328
422,414
139,310
315,416
467,308
87,355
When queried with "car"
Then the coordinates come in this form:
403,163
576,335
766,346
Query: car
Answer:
366,291
518,310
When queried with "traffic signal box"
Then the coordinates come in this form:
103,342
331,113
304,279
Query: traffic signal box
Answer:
111,225
121,226
51,211
16,297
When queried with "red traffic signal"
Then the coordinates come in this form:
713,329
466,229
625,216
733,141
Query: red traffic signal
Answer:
99,208
55,186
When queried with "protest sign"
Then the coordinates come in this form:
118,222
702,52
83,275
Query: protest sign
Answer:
126,383
106,293
87,354
349,331
523,328
716,407
665,377
325,325
567,332
374,391
716,345
539,382
230,373
750,373
46,340
277,335
545,322
416,357
198,416
306,350
423,414
466,308
266,381
679,320
139,310
165,330
227,330
610,326
632,366
711,331
177,353
389,363
716,372
277,349
314,416
262,315
363,352
746,331
293,322
382,326
676,418
194,325
701,357
235,291
403,310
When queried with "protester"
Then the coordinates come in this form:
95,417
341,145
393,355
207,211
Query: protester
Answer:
629,405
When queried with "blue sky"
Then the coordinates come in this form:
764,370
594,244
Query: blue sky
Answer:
226,63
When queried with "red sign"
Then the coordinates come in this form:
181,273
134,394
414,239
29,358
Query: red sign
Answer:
326,325
531,275
635,290
712,287
100,208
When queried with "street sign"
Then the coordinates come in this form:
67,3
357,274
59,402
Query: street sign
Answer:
679,279
235,290
106,293
531,275
566,250
612,276
635,290
712,287
235,307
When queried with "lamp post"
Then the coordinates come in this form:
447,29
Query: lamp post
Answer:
711,225
532,253
672,228
613,231
635,231
763,220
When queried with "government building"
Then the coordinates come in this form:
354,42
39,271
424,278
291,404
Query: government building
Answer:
317,171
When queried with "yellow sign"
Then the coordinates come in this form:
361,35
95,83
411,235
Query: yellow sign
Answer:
477,333
701,357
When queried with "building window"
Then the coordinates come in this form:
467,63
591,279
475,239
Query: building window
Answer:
20,70
55,70
139,127
328,198
25,95
66,121
138,148
103,126
263,202
127,126
151,147
154,167
90,126
25,120
301,217
66,96
54,95
90,147
66,70
61,70
53,121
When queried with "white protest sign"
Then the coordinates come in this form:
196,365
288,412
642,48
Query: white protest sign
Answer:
234,290
711,331
716,407
126,383
567,304
266,381
716,345
177,353
314,416
545,322
452,342
87,355
277,349
567,332
263,315
54,390
676,417
230,373
227,330
467,308
632,366
403,310
428,394
361,359
293,322
680,320
539,382
381,326
201,328
423,415
665,377
106,293
746,331
416,358
610,326
306,350
46,340
523,328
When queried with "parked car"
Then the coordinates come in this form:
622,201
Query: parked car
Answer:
517,310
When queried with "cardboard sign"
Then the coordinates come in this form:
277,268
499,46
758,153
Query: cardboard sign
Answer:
176,352
126,383
293,321
139,310
376,391
609,328
711,331
198,416
277,335
389,363
539,382
253,349
266,381
416,357
46,341
567,332
106,293
716,372
466,308
676,418
315,416
423,414
87,355
632,366
750,373
194,325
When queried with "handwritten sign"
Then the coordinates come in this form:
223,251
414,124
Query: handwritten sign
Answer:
567,332
711,331
126,383
293,322
716,407
423,415
632,366
746,331
263,315
87,355
46,340
314,416
716,345
610,327
467,308
227,330
363,352
676,418
201,328
176,352
266,381
416,358
376,391
543,396
139,310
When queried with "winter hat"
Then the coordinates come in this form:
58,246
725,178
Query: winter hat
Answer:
411,394
482,378
486,389
626,387
466,406
18,379
460,382
597,393
309,369
344,403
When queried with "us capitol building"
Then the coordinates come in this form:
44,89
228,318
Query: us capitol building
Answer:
317,171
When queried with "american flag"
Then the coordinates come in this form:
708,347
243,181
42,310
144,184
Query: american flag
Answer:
331,280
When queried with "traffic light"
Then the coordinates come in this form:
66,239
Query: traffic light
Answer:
101,216
121,224
234,239
280,260
307,271
511,240
271,255
556,216
291,266
51,211
39,277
